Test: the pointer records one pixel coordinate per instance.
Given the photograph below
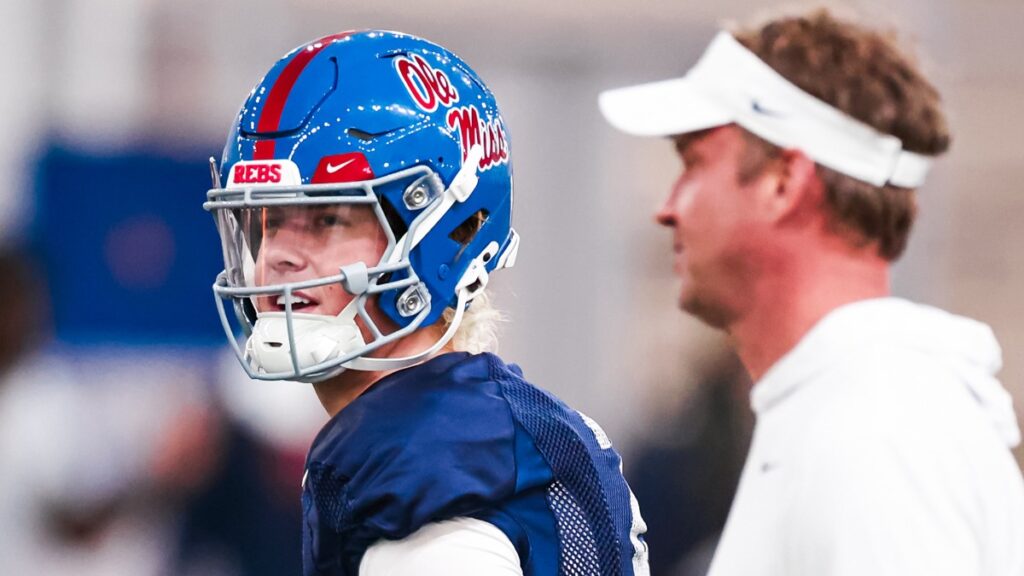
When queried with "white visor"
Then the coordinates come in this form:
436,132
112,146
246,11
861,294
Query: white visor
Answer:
729,84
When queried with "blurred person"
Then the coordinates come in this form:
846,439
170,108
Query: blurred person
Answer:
367,199
241,519
24,322
882,440
21,331
689,462
84,474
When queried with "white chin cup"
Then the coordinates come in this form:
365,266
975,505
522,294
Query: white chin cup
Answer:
318,339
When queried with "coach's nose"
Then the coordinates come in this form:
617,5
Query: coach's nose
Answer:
666,215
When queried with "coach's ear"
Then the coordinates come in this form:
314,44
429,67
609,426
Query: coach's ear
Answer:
798,189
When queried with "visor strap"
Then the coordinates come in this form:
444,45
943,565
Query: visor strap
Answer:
773,107
910,170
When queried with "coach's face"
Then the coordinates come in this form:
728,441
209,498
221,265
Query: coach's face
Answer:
715,235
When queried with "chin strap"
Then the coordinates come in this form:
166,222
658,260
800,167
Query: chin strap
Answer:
387,364
470,285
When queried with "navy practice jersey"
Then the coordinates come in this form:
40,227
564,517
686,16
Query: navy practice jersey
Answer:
466,436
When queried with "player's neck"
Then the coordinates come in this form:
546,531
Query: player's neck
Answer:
788,304
338,392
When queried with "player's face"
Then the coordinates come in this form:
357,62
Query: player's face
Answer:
707,211
298,243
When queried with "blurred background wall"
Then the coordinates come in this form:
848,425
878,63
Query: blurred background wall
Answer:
113,107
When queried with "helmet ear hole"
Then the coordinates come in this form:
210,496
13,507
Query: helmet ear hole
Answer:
467,230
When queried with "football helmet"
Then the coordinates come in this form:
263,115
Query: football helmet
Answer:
366,166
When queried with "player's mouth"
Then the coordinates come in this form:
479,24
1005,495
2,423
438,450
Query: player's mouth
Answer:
301,302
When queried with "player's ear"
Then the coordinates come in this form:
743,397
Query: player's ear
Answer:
797,187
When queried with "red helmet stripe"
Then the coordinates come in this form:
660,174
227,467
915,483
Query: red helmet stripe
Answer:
270,117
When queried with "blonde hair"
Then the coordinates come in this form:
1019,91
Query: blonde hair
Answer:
478,331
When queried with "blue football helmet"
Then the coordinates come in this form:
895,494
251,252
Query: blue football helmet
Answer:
365,168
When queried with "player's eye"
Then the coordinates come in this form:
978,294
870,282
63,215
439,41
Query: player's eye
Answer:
271,223
329,219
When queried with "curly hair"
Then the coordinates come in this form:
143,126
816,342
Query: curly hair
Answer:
863,73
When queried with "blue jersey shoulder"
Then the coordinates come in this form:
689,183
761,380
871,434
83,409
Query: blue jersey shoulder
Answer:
465,435
430,442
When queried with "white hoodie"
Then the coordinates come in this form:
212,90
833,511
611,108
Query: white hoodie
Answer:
881,447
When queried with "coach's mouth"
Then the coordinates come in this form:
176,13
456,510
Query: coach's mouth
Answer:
678,256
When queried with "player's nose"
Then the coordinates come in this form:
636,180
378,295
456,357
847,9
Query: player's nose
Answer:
286,252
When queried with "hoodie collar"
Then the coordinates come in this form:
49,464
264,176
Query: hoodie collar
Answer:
967,346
